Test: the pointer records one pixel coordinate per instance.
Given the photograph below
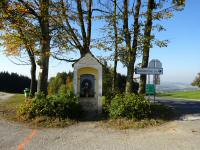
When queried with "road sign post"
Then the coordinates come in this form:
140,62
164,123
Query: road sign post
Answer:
150,71
150,89
154,68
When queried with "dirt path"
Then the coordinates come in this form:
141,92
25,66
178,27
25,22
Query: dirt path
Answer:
5,96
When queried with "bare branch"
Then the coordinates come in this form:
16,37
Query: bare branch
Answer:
22,62
74,37
63,59
80,17
118,7
102,11
89,26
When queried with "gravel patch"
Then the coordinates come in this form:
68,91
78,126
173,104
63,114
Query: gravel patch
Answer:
176,135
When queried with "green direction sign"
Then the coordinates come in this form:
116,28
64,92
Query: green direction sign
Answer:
150,89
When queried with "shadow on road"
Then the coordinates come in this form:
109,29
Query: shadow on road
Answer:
183,107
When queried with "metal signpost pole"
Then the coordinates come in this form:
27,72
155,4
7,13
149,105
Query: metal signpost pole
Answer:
154,82
148,84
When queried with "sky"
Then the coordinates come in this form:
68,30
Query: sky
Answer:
180,59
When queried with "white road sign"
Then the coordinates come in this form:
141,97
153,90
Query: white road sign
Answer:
155,63
149,71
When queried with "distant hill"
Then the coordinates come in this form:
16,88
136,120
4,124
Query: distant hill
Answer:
175,86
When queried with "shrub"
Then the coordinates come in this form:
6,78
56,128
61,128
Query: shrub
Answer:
105,105
64,89
106,101
130,106
60,106
24,110
54,85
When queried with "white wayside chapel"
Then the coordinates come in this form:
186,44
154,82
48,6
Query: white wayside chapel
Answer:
87,83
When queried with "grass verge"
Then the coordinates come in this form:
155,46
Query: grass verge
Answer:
195,95
9,107
160,114
48,122
124,123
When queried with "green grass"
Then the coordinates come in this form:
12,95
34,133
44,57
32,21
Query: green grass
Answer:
13,102
8,108
182,94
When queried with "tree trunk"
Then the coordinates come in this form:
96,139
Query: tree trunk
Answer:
129,80
33,71
133,50
33,78
116,46
43,75
86,36
45,48
115,75
136,33
84,51
147,42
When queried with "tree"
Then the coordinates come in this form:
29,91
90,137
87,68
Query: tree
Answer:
74,26
56,25
109,12
12,48
147,41
18,36
37,13
61,79
56,82
116,45
43,19
10,82
132,49
196,81
148,37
